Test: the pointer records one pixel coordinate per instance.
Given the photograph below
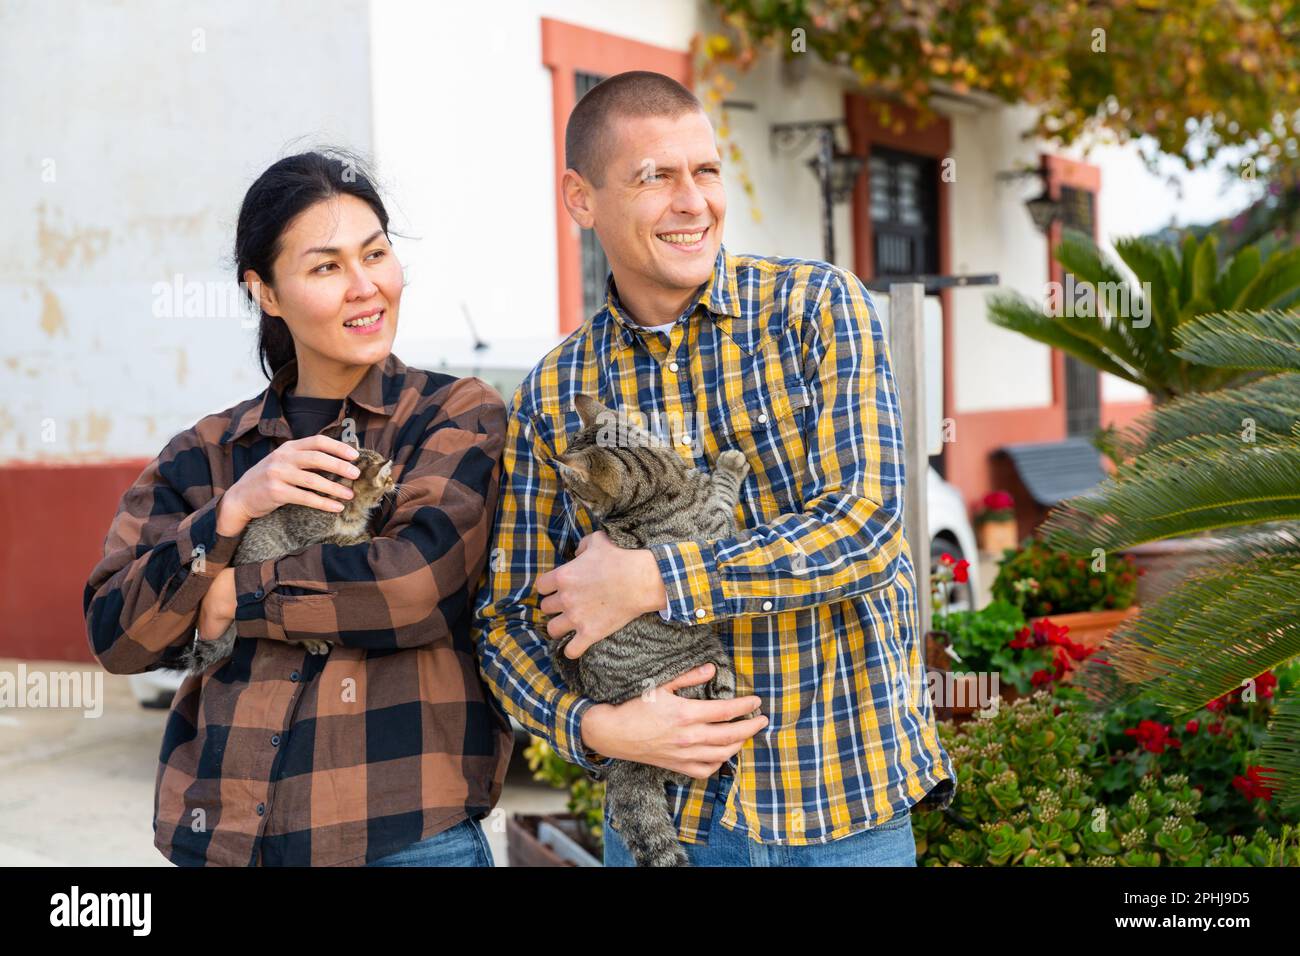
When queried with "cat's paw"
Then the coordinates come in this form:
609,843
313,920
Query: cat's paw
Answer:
316,647
733,461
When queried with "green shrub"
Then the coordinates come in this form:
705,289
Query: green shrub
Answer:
1055,582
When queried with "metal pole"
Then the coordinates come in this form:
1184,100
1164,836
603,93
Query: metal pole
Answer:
907,352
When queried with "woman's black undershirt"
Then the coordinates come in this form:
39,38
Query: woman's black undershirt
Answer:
307,416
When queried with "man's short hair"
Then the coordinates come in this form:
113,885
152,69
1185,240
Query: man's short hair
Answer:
588,138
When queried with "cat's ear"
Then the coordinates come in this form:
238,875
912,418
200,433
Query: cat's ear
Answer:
384,472
589,410
572,473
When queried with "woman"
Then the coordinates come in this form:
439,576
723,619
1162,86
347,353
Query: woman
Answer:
387,749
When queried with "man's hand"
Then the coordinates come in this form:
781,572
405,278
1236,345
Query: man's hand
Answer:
603,588
694,737
217,609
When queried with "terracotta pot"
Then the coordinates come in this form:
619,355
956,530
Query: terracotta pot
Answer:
1090,628
525,848
937,659
997,536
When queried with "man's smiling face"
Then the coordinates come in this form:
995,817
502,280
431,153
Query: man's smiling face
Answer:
660,211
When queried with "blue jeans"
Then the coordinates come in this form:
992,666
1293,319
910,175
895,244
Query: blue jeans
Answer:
465,844
891,844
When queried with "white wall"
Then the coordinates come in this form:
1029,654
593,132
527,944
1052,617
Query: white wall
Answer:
991,232
127,152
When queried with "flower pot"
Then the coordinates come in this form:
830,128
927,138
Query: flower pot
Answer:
997,536
1089,628
964,687
551,839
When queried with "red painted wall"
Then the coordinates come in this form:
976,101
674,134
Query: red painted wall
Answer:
53,520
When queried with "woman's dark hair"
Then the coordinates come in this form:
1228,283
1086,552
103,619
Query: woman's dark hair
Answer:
286,189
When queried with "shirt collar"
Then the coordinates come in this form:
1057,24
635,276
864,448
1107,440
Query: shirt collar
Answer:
720,297
377,392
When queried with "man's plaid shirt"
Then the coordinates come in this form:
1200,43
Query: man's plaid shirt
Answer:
785,360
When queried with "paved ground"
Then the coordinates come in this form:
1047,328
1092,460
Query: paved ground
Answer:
79,791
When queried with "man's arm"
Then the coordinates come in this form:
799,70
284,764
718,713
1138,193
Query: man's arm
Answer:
403,587
849,538
531,534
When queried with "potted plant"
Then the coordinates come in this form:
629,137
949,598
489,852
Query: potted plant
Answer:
1089,596
995,523
559,839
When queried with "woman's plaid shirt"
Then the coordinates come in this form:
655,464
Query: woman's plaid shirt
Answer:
785,360
283,757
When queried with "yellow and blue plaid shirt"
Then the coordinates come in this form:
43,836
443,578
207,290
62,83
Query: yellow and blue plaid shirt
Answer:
815,598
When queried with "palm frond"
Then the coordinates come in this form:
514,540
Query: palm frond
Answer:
1221,626
1271,403
1245,340
1183,487
1010,310
1281,751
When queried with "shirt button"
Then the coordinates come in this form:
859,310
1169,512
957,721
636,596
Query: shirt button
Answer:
295,676
762,419
257,593
767,605
686,439
699,612
261,809
672,366
275,740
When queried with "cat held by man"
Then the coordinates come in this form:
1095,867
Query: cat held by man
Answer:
641,492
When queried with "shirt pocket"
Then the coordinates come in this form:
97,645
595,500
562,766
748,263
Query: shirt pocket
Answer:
767,428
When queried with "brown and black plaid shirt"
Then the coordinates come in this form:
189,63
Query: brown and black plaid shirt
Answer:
280,757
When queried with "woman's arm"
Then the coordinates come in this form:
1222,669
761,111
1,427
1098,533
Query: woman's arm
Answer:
160,557
407,586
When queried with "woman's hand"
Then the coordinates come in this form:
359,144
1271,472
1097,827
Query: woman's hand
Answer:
287,476
217,609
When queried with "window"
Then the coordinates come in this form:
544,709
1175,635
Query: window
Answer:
904,213
1082,381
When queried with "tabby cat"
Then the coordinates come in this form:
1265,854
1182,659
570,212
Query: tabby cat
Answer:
641,492
292,527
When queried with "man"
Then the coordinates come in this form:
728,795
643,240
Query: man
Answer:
785,360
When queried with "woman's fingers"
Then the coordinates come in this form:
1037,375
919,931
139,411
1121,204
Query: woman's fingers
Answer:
308,460
300,496
311,481
331,446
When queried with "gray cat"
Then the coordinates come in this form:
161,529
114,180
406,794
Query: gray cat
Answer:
292,527
641,492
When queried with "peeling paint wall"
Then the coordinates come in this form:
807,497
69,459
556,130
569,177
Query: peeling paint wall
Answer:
130,132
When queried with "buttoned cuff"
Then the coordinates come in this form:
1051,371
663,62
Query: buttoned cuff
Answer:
569,711
691,580
256,615
205,553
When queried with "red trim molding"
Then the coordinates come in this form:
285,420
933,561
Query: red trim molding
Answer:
566,49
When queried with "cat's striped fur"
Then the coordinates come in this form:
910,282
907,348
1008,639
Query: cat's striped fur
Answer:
290,528
641,492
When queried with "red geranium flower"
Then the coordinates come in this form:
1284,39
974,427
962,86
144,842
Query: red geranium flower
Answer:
1254,785
1153,736
1192,726
959,571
